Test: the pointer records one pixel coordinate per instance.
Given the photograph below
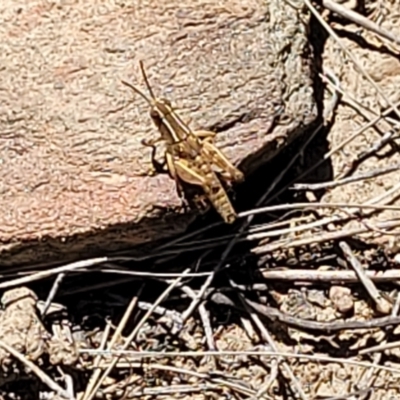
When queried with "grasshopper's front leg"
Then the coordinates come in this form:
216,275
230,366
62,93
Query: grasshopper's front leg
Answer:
158,167
172,172
227,170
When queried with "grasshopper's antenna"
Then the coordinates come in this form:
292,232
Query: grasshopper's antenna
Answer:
146,81
137,90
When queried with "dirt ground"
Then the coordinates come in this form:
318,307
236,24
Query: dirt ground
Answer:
300,308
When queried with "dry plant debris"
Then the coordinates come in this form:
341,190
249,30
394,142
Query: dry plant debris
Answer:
21,328
299,300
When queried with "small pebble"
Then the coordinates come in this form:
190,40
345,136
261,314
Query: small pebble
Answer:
341,298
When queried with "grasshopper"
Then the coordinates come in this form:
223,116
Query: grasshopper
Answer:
191,156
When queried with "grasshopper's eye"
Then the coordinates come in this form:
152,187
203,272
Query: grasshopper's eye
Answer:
154,114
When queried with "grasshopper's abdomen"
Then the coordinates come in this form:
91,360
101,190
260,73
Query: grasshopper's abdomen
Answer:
217,195
220,200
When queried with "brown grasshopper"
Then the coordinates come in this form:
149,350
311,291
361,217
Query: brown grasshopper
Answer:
191,156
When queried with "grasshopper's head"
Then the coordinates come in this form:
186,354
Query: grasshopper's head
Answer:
166,121
160,109
172,129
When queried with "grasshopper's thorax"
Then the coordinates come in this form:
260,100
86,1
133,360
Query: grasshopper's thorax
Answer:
182,150
178,136
191,148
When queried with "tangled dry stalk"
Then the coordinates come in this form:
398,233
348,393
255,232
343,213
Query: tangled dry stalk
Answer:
300,300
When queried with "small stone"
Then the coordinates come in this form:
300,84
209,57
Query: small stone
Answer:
341,298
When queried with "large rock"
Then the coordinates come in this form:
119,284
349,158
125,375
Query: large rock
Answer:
74,175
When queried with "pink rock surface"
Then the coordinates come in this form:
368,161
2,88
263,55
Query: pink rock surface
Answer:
74,175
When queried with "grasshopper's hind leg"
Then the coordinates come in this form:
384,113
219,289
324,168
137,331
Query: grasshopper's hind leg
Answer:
205,135
226,169
189,197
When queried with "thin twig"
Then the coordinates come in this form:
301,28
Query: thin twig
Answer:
174,316
96,363
380,347
317,206
55,271
382,304
204,318
274,365
345,276
334,326
52,294
142,354
385,195
235,386
323,237
340,182
360,20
